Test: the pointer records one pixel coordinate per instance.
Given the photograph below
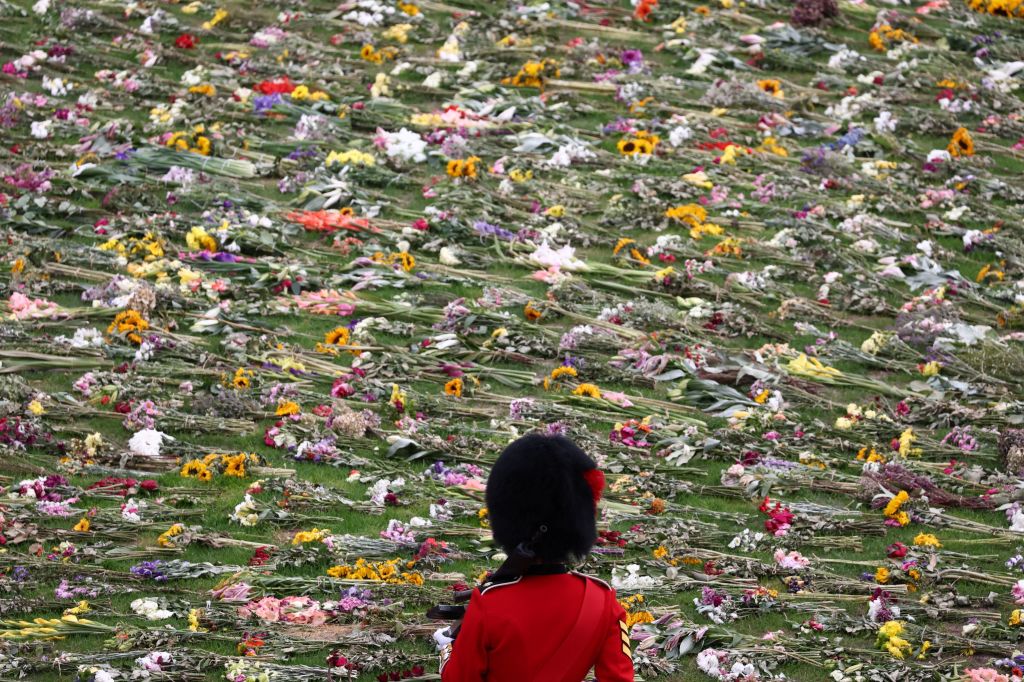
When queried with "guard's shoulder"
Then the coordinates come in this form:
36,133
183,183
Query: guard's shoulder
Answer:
592,579
494,584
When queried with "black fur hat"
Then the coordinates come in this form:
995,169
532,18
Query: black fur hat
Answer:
539,481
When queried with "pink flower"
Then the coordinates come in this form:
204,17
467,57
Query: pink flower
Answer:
233,592
22,307
1018,592
618,398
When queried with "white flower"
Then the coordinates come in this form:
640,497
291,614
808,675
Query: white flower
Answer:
706,58
679,135
146,443
57,87
148,607
885,122
41,129
41,7
405,144
447,256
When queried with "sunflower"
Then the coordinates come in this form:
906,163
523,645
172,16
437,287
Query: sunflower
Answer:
621,244
241,379
454,387
627,147
82,526
339,336
639,257
370,54
961,144
531,313
235,466
287,407
407,261
205,475
455,168
587,390
771,86
193,469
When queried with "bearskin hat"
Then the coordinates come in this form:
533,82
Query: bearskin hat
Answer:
547,481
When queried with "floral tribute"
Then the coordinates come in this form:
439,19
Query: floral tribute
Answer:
279,280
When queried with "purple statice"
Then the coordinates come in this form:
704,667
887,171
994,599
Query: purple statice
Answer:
19,574
149,570
485,229
65,591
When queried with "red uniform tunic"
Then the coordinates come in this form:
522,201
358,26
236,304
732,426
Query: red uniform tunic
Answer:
513,630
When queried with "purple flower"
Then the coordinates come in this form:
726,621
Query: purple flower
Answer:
486,229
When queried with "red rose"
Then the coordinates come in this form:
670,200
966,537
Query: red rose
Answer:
186,41
149,485
896,550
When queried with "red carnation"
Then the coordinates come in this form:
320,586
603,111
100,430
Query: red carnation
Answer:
186,41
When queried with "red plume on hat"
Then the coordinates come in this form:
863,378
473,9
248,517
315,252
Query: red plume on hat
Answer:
594,479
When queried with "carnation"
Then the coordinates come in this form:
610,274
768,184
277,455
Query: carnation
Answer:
147,442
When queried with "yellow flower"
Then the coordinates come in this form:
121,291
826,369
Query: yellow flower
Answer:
78,609
882,575
399,33
454,388
930,369
287,407
339,336
812,367
588,390
193,469
1016,618
193,620
926,540
896,502
304,536
660,552
961,144
352,157
906,440
36,408
218,17
82,526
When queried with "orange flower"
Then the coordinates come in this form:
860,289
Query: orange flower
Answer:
329,221
454,387
531,313
644,9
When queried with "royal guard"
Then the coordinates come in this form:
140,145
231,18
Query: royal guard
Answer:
534,619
